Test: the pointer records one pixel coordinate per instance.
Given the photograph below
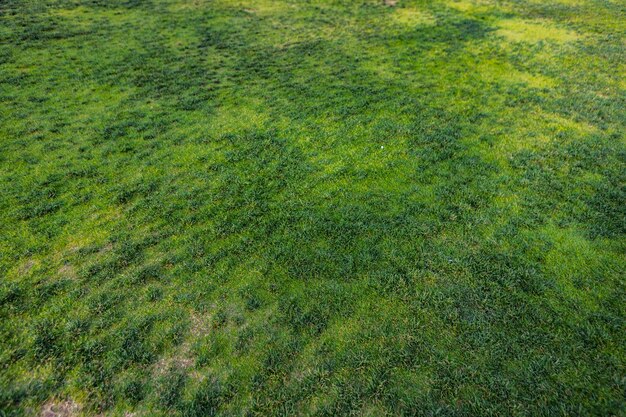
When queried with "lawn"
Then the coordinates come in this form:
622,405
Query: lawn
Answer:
312,208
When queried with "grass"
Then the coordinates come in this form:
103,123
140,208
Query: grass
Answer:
324,207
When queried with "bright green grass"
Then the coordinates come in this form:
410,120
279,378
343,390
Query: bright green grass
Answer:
322,207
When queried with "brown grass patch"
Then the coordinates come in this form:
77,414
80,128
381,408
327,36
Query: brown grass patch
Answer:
67,408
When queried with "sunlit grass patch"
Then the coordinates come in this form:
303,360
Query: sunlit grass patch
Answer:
476,6
91,18
80,17
566,2
240,117
534,31
413,17
505,73
262,8
574,262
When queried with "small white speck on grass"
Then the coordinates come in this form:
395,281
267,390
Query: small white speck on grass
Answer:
382,147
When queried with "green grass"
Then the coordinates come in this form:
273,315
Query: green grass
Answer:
323,207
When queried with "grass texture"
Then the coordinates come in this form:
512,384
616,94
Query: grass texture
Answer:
312,208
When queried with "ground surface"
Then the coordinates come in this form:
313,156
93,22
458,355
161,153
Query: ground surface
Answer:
267,207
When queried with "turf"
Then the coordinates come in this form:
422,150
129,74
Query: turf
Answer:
322,207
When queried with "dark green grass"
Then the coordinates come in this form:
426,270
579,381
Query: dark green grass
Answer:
274,207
